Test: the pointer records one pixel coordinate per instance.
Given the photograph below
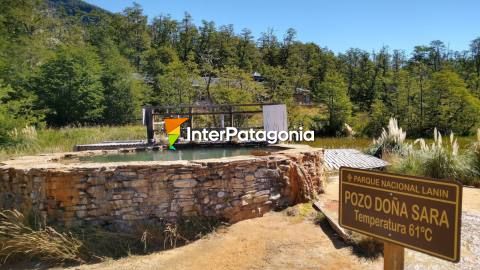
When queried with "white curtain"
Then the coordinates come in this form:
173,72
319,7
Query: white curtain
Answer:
275,118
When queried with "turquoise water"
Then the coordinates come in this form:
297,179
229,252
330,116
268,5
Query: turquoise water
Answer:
179,154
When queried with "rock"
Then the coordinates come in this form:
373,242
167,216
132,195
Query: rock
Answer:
247,197
262,192
130,217
261,173
237,203
275,197
98,180
260,199
185,183
96,191
81,213
138,183
249,177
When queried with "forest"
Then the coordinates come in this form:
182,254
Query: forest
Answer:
68,63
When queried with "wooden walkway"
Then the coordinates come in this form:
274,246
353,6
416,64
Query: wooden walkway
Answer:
336,158
111,145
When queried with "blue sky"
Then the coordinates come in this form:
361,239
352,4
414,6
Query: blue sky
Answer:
337,24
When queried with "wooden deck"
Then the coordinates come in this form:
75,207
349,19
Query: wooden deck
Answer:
111,145
336,158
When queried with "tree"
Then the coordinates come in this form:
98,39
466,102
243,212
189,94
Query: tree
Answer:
175,85
9,119
188,36
288,41
226,43
437,54
361,78
164,31
475,52
379,116
132,33
449,105
333,93
278,87
269,47
246,51
122,96
69,87
235,86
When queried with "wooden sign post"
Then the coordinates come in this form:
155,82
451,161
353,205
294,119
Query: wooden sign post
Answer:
393,256
419,213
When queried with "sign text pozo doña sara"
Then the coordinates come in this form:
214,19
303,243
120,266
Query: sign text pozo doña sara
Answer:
415,212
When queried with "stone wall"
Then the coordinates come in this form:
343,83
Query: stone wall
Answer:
122,194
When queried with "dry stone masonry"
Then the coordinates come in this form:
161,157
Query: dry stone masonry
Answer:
122,194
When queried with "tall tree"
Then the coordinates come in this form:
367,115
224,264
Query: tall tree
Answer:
449,105
69,87
188,36
164,31
269,47
246,51
133,35
123,93
333,93
475,52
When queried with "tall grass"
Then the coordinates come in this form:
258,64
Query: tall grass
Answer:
474,155
441,159
17,239
30,141
391,141
20,240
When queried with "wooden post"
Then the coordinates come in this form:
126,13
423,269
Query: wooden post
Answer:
393,256
190,115
149,124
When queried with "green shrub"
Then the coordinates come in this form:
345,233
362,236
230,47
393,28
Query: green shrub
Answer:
474,161
440,160
411,164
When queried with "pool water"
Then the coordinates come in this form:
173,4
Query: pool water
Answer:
179,154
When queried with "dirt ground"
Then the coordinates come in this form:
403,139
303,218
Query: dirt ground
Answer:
275,241
280,241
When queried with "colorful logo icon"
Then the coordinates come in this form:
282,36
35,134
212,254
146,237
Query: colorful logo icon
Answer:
172,127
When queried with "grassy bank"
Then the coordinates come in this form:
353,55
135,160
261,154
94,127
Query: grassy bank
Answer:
362,143
64,139
341,142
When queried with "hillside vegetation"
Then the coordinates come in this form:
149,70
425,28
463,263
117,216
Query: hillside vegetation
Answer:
65,63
